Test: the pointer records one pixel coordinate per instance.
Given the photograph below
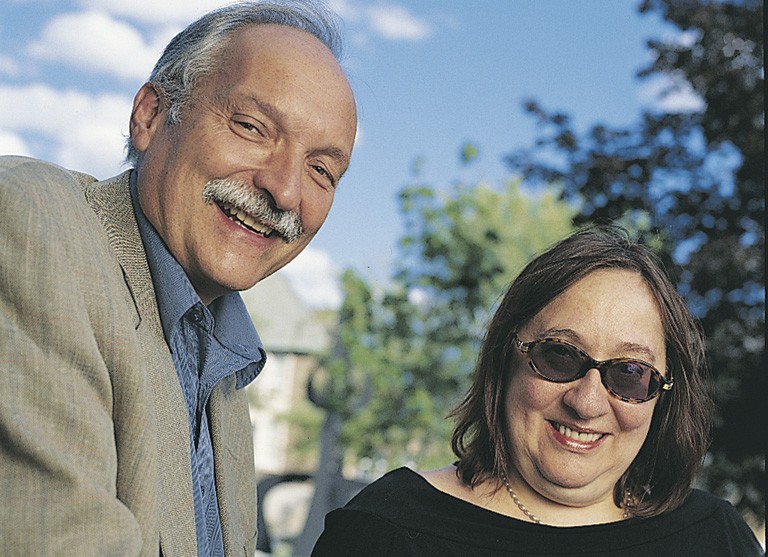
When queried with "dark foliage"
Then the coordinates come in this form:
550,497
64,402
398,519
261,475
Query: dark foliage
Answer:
695,181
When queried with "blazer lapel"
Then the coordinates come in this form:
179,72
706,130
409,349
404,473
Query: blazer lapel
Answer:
111,200
219,426
232,440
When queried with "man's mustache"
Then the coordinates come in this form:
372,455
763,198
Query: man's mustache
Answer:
256,203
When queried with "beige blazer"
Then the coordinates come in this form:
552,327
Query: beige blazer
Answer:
94,439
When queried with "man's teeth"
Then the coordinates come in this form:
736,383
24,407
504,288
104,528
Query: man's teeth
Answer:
578,435
240,217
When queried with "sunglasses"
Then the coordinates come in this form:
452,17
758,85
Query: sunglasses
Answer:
629,380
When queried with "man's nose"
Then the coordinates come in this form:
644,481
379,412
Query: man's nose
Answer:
281,177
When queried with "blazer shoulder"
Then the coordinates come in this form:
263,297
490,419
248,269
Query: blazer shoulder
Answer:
49,189
35,171
42,186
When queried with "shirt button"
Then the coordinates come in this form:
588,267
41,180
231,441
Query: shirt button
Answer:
196,315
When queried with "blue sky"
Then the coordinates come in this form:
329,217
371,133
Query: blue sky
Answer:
429,75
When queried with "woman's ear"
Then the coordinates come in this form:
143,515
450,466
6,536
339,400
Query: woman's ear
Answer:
147,116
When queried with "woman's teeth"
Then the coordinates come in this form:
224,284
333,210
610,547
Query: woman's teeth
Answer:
578,435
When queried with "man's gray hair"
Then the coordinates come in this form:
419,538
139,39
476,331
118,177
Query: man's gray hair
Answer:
194,52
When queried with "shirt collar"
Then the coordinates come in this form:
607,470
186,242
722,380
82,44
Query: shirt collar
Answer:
233,327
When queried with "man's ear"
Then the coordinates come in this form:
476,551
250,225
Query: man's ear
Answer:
148,115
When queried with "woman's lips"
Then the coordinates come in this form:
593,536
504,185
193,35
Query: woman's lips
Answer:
573,435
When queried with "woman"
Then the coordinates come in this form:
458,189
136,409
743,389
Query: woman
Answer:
584,426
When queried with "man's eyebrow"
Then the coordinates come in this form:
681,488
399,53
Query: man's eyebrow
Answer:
267,108
337,154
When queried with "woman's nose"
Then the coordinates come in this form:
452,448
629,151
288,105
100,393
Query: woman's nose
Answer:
587,396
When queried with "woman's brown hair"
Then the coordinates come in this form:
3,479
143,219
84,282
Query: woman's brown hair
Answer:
660,476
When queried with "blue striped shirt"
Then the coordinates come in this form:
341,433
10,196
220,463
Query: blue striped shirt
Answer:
206,344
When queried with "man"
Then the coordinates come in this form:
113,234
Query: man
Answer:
124,346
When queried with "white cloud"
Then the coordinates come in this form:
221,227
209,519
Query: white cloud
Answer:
84,131
670,94
179,12
398,23
13,144
348,12
315,278
8,66
94,41
95,149
391,21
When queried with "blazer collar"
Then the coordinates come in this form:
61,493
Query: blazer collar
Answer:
111,200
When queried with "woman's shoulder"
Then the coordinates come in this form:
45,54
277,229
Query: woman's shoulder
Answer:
406,500
706,523
403,513
404,490
724,514
392,490
701,504
444,479
375,519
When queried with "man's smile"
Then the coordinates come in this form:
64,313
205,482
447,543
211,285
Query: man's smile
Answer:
245,220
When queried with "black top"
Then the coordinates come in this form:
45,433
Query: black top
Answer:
403,515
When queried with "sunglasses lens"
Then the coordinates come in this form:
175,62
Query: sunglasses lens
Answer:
560,362
556,361
631,380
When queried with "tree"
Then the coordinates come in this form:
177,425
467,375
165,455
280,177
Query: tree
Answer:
694,181
408,352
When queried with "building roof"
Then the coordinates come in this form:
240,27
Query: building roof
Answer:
284,322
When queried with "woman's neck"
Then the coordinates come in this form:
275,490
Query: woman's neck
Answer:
514,497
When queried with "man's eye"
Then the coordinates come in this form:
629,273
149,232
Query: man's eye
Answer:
324,173
247,126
